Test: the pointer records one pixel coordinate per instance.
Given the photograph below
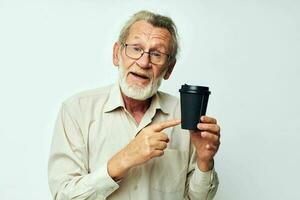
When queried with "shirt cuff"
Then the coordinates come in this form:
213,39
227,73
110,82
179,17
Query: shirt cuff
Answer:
202,179
102,182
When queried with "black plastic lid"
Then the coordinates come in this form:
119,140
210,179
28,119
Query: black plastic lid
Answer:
194,89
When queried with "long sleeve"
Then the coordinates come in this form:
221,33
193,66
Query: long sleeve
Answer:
68,170
200,185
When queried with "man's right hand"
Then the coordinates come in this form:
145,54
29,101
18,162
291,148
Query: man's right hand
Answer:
149,143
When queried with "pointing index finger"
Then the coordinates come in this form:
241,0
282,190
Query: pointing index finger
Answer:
166,124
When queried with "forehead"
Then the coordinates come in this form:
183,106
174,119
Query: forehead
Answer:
144,31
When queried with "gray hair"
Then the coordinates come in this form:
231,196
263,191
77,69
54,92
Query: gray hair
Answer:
155,20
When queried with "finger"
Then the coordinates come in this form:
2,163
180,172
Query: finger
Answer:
211,147
210,136
160,145
166,124
214,128
157,153
161,136
209,120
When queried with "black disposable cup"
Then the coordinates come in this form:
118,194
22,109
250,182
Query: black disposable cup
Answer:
193,100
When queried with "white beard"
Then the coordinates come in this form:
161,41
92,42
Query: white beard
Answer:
135,91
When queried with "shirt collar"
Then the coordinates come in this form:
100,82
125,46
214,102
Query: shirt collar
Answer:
159,103
115,101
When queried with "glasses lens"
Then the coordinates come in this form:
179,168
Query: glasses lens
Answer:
157,58
134,52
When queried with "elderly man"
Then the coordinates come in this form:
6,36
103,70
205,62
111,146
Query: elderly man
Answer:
123,141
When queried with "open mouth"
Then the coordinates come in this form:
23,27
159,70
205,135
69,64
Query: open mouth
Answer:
139,75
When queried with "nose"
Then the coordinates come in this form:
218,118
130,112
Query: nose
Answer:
144,61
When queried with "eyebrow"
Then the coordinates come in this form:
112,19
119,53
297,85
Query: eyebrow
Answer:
158,46
161,48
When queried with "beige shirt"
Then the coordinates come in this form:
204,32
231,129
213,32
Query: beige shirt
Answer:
94,125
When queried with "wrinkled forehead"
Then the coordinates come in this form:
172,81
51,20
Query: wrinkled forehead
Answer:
144,31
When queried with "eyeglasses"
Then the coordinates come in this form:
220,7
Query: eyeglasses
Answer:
136,52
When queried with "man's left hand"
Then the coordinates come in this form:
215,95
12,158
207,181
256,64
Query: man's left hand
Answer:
206,141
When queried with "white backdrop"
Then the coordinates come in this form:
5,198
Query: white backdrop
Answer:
246,51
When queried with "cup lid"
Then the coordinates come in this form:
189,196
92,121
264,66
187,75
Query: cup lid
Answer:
194,89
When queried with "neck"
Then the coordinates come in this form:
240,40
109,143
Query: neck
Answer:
136,107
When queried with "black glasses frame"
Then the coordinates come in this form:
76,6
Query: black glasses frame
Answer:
126,45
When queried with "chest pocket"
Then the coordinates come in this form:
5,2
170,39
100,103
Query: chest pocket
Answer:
169,171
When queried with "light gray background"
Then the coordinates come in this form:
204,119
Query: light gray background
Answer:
246,51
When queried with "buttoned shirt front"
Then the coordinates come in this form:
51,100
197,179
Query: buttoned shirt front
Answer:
94,125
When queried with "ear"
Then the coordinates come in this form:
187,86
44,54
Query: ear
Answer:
116,49
170,69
